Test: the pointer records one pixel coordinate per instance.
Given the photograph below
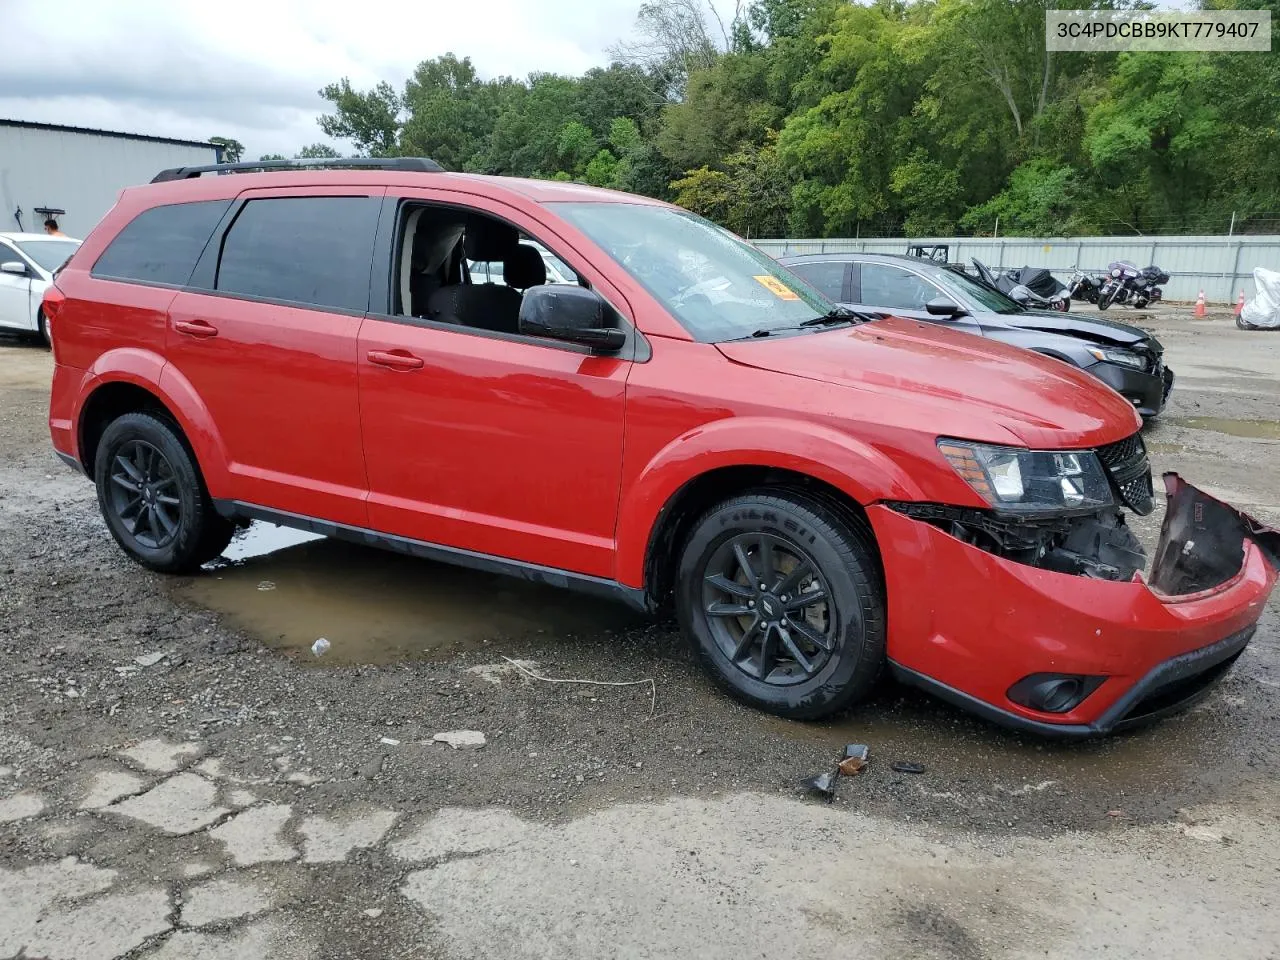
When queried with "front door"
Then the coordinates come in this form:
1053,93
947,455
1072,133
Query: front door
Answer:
485,440
15,293
270,348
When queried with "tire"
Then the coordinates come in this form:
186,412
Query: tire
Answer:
813,547
1104,301
153,498
42,330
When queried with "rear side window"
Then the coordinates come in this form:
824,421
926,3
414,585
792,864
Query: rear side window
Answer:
309,250
161,245
826,275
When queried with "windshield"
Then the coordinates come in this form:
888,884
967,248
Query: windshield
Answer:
48,254
718,286
984,296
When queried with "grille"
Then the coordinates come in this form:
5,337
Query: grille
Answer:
1130,472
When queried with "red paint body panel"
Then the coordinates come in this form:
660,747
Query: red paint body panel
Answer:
536,453
979,623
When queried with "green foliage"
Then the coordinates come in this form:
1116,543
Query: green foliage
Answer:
273,156
825,117
317,151
232,150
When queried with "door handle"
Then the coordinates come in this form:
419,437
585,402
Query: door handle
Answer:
196,328
395,359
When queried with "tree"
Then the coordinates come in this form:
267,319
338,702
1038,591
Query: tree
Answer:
370,120
317,151
232,150
674,38
272,156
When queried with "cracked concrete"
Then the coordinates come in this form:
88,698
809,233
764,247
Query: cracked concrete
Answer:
331,840
267,939
182,804
160,756
223,899
253,836
454,830
108,786
20,806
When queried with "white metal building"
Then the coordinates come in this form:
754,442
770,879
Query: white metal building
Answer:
44,166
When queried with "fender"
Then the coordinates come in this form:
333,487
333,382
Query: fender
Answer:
151,372
818,451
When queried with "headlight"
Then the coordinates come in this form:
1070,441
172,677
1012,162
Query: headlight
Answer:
1122,357
1030,481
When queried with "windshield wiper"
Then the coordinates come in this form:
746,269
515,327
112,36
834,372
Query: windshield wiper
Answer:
838,315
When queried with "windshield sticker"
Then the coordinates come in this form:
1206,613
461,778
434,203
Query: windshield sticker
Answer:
777,288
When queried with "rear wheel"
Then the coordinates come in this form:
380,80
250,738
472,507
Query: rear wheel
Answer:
153,498
780,596
42,329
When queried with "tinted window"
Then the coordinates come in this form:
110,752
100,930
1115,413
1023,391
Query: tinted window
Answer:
313,250
161,245
826,275
886,286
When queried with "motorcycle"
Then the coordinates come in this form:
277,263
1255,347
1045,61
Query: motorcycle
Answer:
1035,288
1125,283
1084,286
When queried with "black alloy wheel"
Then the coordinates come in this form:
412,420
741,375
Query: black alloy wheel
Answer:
769,608
144,494
152,495
780,595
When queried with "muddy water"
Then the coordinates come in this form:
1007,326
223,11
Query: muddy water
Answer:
1252,429
287,588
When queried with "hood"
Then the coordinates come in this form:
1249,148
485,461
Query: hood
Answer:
1041,401
1093,329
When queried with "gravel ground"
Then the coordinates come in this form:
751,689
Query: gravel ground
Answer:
180,777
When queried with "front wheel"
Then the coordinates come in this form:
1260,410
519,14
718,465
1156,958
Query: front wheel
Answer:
780,596
153,498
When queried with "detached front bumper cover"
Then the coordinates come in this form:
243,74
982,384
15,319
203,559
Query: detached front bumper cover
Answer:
1159,644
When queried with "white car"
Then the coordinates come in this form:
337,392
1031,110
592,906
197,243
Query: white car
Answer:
557,270
27,263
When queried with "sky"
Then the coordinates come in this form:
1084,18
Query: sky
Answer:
251,71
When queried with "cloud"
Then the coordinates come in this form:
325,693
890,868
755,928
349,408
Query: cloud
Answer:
252,71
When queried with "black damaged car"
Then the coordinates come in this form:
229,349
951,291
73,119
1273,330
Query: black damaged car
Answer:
1126,358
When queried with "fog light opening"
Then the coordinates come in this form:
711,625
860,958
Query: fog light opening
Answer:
1053,692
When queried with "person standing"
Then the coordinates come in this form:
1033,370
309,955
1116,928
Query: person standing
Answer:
51,228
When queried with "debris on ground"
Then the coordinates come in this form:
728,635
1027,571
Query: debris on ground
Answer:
150,659
373,913
822,784
470,739
389,741
906,766
653,686
266,585
320,647
855,758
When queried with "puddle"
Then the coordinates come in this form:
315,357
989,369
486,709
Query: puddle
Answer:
287,588
1252,429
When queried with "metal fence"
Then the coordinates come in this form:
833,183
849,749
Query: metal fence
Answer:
1220,266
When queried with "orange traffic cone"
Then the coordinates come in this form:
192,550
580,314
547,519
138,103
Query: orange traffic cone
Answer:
1240,304
1200,306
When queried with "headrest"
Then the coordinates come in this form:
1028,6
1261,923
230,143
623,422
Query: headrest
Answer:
524,268
433,242
490,240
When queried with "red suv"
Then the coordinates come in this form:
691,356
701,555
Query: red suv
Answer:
817,494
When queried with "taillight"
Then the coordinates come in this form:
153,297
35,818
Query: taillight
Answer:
50,307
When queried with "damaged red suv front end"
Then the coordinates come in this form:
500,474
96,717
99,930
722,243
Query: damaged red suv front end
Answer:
1066,638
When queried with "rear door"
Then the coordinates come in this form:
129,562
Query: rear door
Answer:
268,341
889,288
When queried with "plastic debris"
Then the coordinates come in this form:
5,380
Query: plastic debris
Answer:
851,765
858,751
390,742
320,647
823,784
150,659
906,766
470,739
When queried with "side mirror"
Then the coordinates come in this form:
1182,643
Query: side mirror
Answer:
570,313
942,307
15,267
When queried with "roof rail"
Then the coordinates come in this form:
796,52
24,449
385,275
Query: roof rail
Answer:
402,164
